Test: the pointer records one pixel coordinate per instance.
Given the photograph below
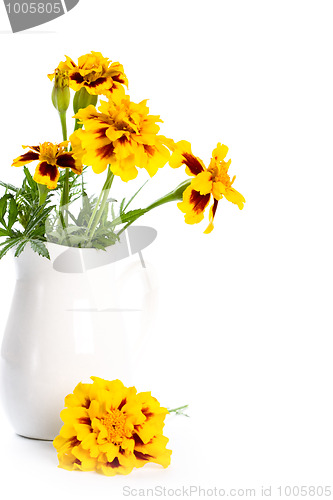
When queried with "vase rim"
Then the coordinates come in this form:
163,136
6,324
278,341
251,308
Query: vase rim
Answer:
65,259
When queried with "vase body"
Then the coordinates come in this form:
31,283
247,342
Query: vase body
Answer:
83,313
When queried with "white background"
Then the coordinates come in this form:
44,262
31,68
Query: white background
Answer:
244,326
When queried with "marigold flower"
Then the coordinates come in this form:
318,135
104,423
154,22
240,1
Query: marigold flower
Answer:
95,73
124,135
213,181
50,157
111,429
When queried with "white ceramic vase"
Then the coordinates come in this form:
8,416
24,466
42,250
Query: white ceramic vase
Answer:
83,313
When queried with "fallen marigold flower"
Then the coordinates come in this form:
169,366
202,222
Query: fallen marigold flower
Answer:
111,429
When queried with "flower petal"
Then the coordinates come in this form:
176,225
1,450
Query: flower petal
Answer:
47,175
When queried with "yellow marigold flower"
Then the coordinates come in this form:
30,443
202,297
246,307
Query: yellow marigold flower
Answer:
50,157
213,181
95,73
124,135
111,429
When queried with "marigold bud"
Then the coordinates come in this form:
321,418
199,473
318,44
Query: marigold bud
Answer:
83,99
60,93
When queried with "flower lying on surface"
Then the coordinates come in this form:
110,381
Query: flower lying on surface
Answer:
50,157
111,429
95,73
212,181
124,135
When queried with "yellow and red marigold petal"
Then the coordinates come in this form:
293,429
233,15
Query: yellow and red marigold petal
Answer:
194,165
203,183
80,396
235,197
77,149
65,444
90,443
67,461
154,418
115,91
114,389
193,205
99,158
125,168
220,152
83,460
47,175
179,148
152,157
183,155
212,212
117,73
155,451
112,468
87,114
67,160
25,158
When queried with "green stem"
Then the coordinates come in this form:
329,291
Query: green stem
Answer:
42,194
63,125
175,195
65,192
102,200
93,215
179,410
77,124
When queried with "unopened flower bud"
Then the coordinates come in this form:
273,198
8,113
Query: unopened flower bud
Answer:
60,93
83,99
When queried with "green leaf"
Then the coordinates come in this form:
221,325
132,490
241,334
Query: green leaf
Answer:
12,213
40,247
121,208
9,186
20,247
3,205
131,216
31,182
7,245
37,218
134,195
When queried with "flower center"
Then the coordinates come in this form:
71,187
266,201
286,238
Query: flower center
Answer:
93,75
220,174
115,425
48,153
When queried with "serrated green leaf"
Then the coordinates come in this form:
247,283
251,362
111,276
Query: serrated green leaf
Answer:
12,213
20,247
7,245
9,186
130,216
40,248
31,182
3,205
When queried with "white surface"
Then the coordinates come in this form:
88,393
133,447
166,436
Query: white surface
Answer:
244,328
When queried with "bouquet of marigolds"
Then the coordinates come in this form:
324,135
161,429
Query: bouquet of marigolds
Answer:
116,137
